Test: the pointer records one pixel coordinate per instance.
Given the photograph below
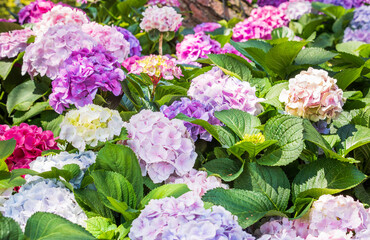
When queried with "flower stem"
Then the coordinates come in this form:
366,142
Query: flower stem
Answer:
160,48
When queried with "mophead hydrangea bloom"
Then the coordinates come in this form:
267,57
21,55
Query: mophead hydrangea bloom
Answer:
32,13
223,92
283,228
90,124
296,9
185,218
43,195
164,19
82,75
135,48
195,46
359,28
59,15
344,3
207,27
14,42
194,109
110,38
168,3
31,142
314,95
47,54
163,146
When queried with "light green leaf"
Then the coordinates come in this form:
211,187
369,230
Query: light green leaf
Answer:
39,107
165,90
6,149
353,136
275,90
252,148
314,56
10,230
99,225
231,66
168,190
227,169
347,76
351,47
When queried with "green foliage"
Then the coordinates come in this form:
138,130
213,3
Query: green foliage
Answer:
9,229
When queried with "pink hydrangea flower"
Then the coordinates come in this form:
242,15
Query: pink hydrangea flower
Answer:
165,19
33,12
169,3
163,146
313,95
31,142
283,228
195,46
111,39
46,55
130,61
228,48
14,42
207,27
332,235
223,92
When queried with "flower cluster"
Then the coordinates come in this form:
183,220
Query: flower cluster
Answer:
44,164
164,19
43,195
110,38
198,182
359,28
157,67
185,218
194,109
169,3
296,9
207,27
277,229
7,20
260,24
135,48
14,42
344,3
31,142
275,3
90,124
196,46
47,54
32,13
130,61
59,15
82,75
163,146
313,95
223,92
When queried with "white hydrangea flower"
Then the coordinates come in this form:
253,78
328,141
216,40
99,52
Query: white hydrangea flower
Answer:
90,124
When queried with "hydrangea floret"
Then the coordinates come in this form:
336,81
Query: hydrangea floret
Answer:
296,9
32,13
359,28
14,42
135,48
164,19
207,27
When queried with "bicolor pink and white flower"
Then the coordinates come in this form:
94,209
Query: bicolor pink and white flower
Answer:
164,19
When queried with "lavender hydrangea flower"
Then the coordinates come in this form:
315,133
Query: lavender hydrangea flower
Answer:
283,228
14,42
194,109
207,27
297,9
135,48
359,28
344,3
321,126
274,3
82,75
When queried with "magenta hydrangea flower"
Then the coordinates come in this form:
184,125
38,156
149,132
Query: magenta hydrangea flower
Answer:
130,61
207,27
163,146
275,3
14,42
32,13
47,54
194,109
223,92
82,74
135,48
185,218
164,19
169,3
359,28
31,142
195,46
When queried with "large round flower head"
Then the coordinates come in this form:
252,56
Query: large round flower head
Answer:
313,95
194,109
44,164
223,92
31,141
163,146
135,48
90,124
185,218
43,195
196,46
32,13
359,28
59,15
283,228
198,182
157,67
296,9
48,53
111,39
82,74
14,42
164,19
168,3
344,3
207,27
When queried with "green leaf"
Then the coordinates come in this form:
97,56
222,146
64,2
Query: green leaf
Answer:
6,180
227,169
288,131
282,32
363,117
270,181
326,176
9,229
99,225
351,47
302,206
231,66
165,90
48,226
347,76
168,190
276,90
252,148
6,149
90,202
362,194
121,159
314,56
36,109
154,35
353,136
128,213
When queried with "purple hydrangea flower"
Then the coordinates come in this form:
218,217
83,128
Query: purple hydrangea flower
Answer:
82,74
359,28
135,48
194,109
207,27
33,12
344,3
274,3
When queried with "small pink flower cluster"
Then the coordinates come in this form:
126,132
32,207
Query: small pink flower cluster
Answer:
33,12
163,146
313,95
260,24
169,3
31,142
207,27
14,42
165,19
